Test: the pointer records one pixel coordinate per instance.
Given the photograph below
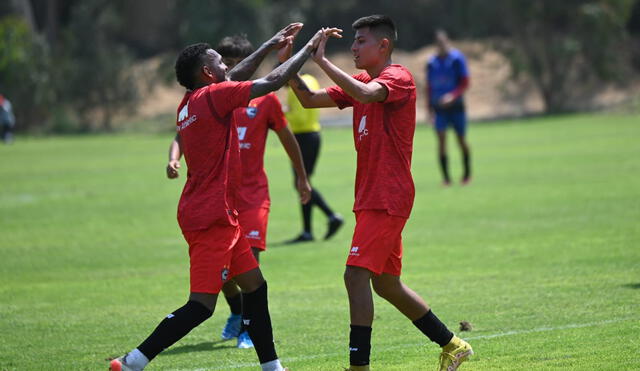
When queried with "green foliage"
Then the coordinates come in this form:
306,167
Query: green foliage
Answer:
565,43
25,73
98,79
211,20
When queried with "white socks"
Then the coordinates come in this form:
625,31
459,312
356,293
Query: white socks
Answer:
272,366
136,360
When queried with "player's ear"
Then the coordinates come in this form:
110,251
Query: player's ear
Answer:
385,45
207,72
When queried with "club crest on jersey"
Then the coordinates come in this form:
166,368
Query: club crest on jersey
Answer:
252,112
225,274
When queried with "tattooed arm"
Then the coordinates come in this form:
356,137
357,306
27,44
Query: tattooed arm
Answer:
245,69
279,76
310,98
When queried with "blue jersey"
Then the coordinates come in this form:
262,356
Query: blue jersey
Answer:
444,74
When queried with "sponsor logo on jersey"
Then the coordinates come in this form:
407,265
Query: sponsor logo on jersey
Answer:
184,112
255,234
182,118
362,128
252,112
354,251
225,274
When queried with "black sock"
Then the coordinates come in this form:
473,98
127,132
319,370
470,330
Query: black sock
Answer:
359,345
255,316
173,328
444,167
435,330
306,216
318,200
466,159
235,303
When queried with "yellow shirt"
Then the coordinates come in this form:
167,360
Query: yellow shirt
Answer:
303,120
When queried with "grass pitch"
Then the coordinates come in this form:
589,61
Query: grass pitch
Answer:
541,253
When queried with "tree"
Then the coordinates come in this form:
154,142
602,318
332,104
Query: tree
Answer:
96,67
561,43
25,72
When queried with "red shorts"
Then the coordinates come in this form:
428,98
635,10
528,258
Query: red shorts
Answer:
254,226
216,255
377,242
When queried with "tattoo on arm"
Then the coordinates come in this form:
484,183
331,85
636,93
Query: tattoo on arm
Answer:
245,69
299,84
278,77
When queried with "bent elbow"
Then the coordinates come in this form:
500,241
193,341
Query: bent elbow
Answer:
366,98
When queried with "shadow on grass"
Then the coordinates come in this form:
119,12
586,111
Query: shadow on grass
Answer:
205,346
632,286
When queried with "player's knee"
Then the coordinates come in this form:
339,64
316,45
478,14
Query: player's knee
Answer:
207,300
356,276
250,281
385,289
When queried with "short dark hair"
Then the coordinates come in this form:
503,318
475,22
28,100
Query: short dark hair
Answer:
381,25
236,46
441,32
189,61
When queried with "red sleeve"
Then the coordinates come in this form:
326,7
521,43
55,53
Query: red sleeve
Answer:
342,99
229,95
398,82
276,116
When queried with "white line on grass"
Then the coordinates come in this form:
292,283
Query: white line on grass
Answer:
387,348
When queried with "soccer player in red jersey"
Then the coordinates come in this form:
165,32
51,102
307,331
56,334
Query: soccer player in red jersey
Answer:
384,117
207,212
253,123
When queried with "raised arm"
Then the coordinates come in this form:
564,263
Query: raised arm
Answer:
245,69
360,91
290,145
310,98
279,76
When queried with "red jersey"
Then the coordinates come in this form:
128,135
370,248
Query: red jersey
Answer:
383,136
209,141
253,122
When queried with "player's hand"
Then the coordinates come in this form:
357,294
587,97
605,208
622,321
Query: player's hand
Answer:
285,52
304,189
324,32
172,169
285,36
447,100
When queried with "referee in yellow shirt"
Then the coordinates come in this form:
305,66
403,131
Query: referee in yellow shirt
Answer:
305,125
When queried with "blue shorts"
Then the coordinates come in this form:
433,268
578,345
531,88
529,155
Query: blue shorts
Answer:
456,118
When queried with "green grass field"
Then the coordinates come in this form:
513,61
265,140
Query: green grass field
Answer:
541,253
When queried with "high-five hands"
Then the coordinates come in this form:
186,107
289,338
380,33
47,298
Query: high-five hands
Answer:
326,33
285,36
285,51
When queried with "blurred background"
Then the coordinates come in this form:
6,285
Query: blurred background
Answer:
71,66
